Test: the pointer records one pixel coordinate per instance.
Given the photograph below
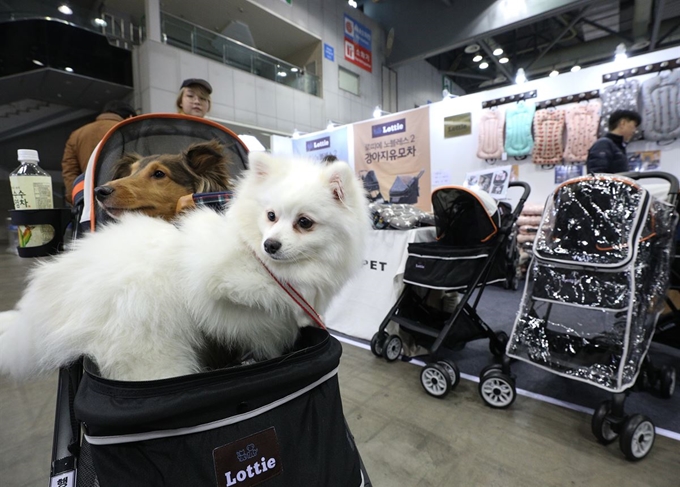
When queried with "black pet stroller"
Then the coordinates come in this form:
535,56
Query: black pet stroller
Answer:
278,421
594,290
470,252
405,189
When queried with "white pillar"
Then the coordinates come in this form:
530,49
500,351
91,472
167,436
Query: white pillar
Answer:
152,10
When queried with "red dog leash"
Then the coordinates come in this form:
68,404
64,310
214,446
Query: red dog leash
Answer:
297,297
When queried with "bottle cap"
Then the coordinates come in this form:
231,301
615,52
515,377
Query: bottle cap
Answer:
27,155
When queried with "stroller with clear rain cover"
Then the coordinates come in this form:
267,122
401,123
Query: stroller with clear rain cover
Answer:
279,421
473,247
594,290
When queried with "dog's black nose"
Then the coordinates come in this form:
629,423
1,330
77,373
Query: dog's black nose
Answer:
102,192
271,246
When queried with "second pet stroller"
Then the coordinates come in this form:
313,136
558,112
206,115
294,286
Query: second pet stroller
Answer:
594,290
472,236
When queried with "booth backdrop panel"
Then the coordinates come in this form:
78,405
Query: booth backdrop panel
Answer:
321,144
362,304
397,149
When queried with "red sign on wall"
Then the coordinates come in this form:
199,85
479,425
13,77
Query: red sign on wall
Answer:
358,44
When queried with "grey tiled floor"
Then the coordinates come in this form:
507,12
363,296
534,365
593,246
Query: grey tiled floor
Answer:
406,437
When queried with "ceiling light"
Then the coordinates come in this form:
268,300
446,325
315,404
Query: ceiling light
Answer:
35,61
483,65
477,58
575,68
498,51
65,9
472,48
352,3
377,112
521,77
294,70
100,22
296,133
283,74
503,60
70,70
620,53
554,73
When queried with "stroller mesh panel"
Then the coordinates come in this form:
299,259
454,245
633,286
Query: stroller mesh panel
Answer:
590,223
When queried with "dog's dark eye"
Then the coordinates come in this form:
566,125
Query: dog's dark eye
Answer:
271,215
305,222
158,174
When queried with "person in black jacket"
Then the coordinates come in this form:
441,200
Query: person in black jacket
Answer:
608,153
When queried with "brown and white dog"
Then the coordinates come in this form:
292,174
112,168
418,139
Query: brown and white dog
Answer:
153,185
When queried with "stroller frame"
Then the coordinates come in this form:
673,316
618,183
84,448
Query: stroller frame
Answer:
441,374
609,421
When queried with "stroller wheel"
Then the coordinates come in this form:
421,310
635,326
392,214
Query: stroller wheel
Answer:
601,426
497,390
497,346
392,348
637,437
378,343
435,380
667,382
452,370
488,369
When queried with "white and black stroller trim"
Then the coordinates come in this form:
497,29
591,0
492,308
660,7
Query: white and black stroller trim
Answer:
594,290
476,245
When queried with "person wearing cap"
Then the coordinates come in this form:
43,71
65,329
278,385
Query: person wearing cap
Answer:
82,142
194,97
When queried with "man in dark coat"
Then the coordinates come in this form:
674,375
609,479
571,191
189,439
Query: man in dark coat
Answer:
608,153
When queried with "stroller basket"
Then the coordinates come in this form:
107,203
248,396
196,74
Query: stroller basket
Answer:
272,421
596,283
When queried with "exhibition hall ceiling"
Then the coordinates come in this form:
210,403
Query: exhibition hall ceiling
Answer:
459,37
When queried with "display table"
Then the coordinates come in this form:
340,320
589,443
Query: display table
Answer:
364,301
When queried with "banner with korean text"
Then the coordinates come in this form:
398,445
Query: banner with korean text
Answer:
321,144
358,41
392,157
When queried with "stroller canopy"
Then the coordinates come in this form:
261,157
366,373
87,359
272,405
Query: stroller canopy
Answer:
156,133
599,221
464,216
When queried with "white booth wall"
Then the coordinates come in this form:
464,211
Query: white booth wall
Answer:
454,157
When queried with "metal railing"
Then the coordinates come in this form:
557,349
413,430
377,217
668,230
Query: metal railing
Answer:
203,42
120,32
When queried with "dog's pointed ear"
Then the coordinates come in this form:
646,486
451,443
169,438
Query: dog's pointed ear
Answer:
339,176
204,156
124,165
262,164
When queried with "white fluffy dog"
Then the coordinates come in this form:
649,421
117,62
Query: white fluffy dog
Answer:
141,295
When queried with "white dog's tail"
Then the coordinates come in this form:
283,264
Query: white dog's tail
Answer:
17,347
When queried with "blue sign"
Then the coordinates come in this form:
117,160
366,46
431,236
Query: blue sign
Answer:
388,128
321,144
357,33
328,52
318,144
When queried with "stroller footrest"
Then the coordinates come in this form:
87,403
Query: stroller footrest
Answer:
413,325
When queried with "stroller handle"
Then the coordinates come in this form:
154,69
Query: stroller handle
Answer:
670,178
523,199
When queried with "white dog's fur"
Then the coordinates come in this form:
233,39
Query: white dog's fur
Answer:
139,296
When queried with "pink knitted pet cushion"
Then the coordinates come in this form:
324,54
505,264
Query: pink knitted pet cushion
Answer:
582,121
548,133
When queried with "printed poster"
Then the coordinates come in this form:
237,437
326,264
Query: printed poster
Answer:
562,173
318,145
494,181
644,161
358,44
392,157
